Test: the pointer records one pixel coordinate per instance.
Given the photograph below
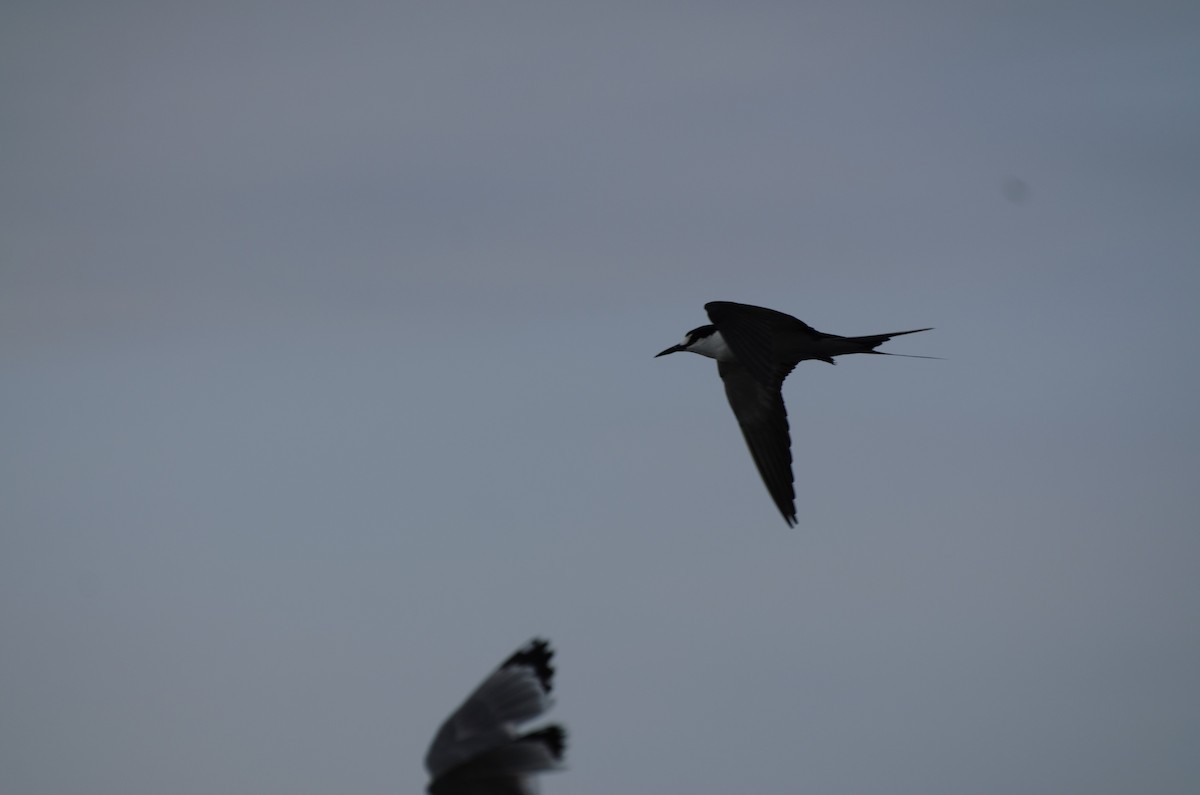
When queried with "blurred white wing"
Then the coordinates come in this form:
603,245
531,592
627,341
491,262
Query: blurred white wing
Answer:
478,750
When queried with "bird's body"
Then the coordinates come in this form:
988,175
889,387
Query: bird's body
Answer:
478,750
756,348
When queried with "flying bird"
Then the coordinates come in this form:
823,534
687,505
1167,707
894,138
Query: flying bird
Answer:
478,750
755,349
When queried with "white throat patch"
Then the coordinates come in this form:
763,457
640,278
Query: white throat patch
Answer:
713,346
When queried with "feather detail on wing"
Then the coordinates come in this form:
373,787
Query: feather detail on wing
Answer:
760,412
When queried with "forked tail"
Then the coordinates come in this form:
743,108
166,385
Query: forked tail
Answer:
873,341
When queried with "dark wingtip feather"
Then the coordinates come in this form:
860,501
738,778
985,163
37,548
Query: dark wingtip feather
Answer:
553,737
535,654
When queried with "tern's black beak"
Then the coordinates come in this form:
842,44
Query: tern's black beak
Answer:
672,349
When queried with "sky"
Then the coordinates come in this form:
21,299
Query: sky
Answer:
326,333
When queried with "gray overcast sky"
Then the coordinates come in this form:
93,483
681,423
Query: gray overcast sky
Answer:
326,332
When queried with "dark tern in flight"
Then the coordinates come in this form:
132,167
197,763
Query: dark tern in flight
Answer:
755,349
478,750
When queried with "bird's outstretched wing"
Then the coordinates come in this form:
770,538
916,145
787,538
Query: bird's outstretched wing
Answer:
477,750
763,418
505,770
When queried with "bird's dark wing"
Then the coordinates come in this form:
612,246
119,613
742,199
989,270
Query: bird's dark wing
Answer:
505,770
517,691
751,332
763,418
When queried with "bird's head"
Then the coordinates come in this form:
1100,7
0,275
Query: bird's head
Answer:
690,340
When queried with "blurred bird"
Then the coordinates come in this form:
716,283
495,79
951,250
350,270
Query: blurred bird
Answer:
478,751
755,349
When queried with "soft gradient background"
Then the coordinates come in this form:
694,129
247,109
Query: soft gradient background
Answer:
326,335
